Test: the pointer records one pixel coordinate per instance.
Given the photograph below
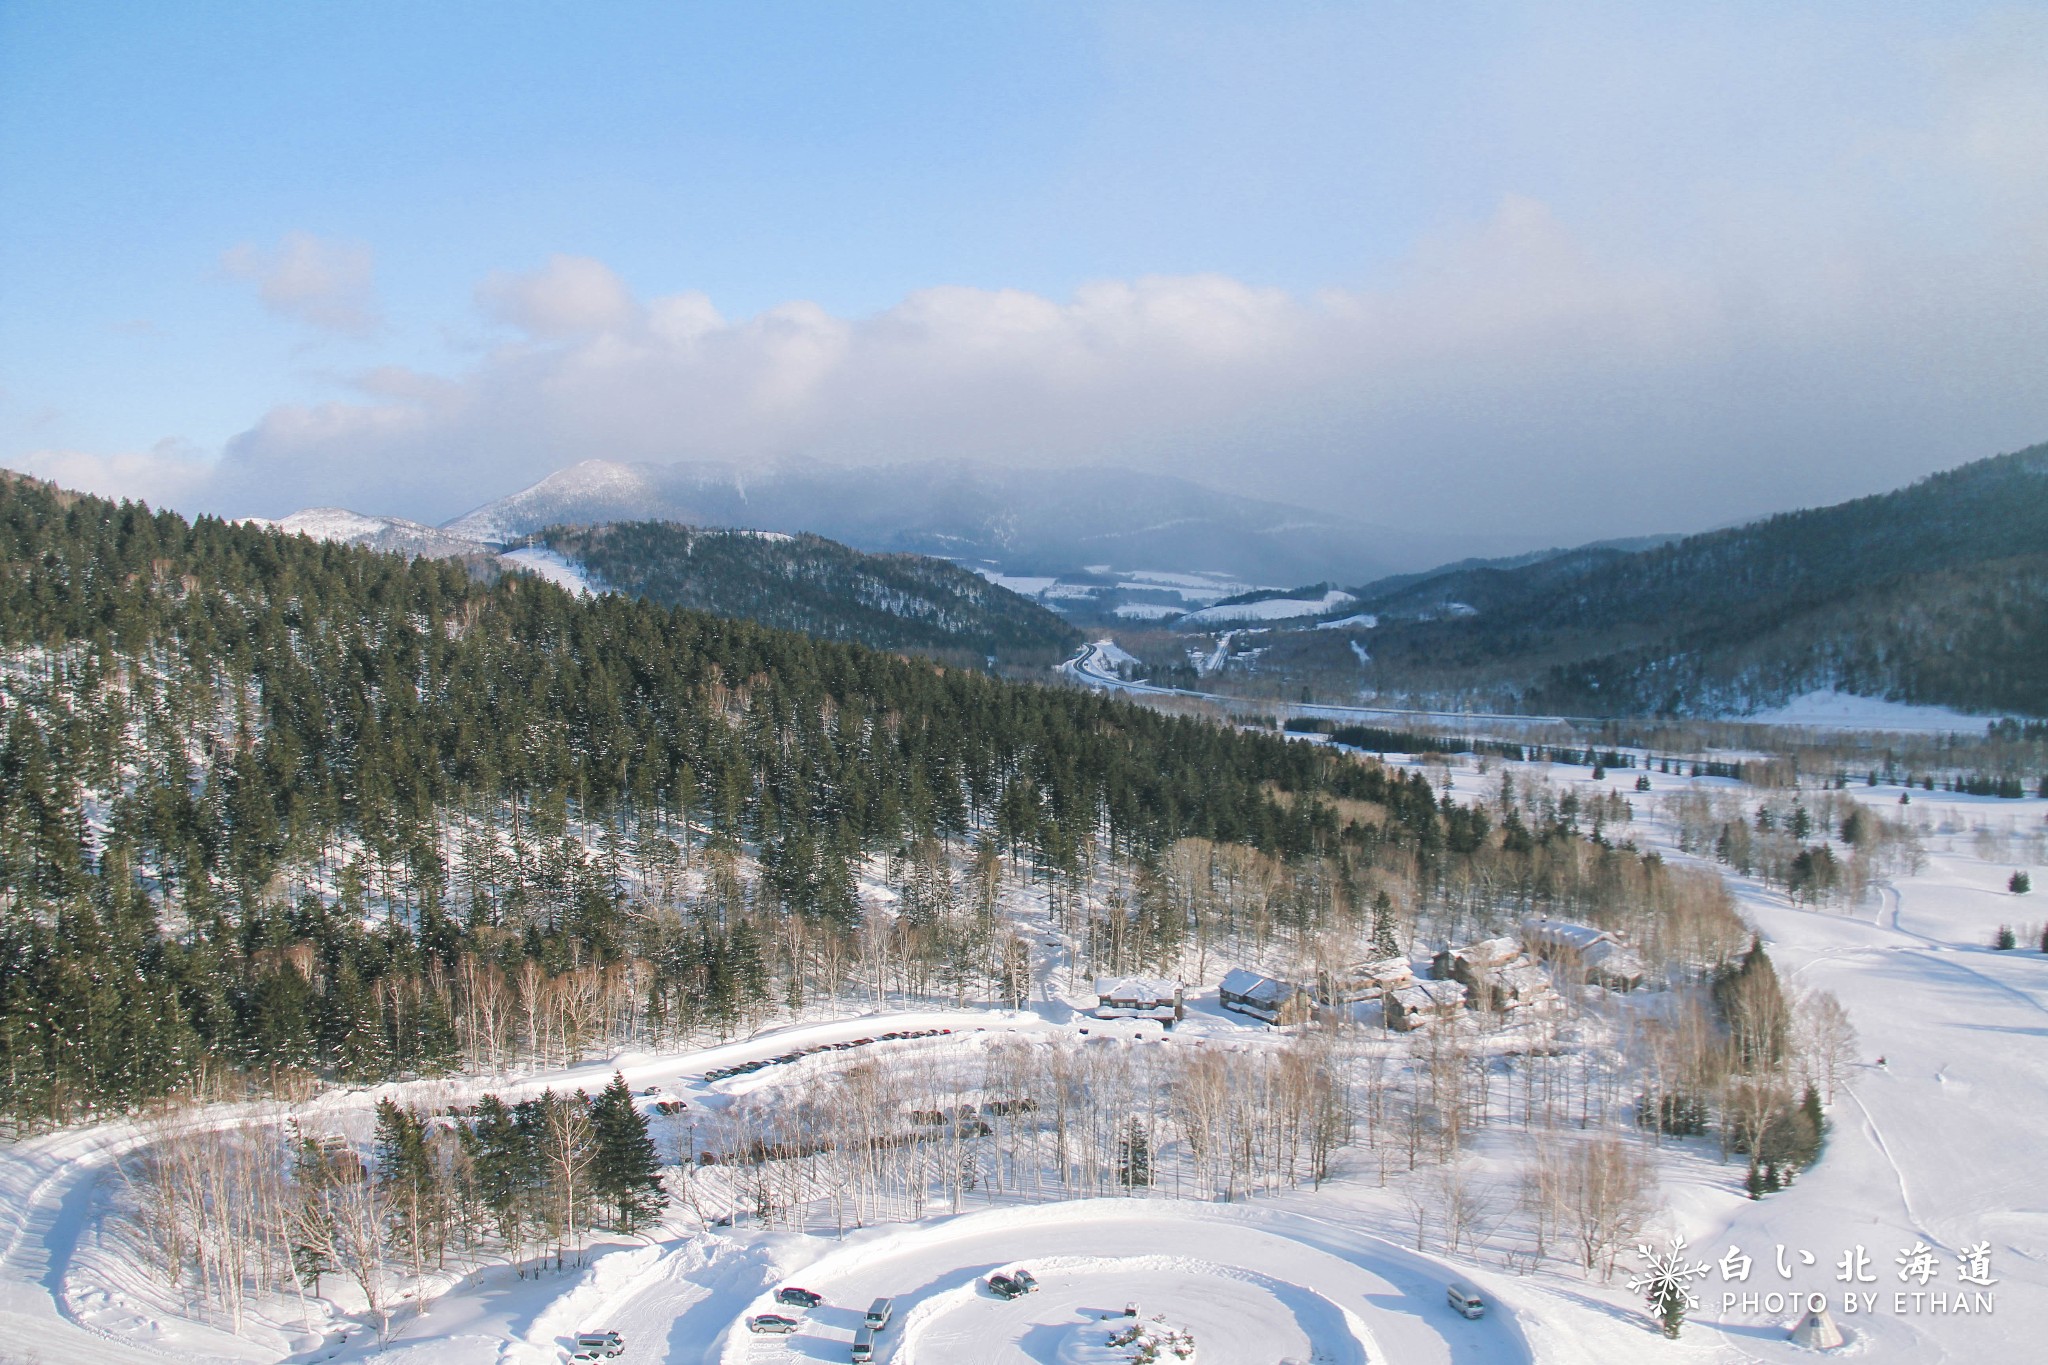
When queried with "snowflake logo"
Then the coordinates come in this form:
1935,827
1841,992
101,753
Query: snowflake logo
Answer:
1667,1277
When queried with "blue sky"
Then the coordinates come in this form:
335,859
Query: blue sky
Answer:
1570,270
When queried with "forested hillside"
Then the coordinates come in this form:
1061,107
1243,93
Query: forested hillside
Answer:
270,806
274,810
822,588
1936,593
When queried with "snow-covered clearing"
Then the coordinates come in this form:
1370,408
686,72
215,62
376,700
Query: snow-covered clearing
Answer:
1831,710
1024,585
553,567
1270,609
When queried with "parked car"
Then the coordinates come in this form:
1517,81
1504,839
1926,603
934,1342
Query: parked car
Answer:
1464,1299
802,1298
1025,1278
1003,1287
592,1345
776,1323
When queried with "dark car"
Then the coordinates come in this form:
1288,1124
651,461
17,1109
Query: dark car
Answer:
1003,1287
801,1298
772,1322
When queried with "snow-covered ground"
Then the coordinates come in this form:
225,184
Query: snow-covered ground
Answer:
1940,1145
1831,710
553,567
1269,609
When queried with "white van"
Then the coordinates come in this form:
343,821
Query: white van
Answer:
863,1346
594,1345
879,1313
1464,1299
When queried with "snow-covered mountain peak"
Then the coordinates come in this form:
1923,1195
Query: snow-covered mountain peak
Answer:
590,491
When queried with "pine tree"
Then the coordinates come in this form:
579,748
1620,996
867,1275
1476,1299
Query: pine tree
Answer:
1134,1157
412,1185
2019,884
1671,1314
625,1171
1385,942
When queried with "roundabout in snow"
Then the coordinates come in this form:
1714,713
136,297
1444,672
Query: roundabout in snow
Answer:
1224,1312
1250,1285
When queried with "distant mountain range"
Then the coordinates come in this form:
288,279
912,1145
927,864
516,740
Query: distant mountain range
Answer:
1018,522
1936,593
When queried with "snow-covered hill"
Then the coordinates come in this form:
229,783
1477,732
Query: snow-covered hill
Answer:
581,495
394,534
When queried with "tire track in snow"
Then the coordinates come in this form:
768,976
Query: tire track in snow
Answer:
1884,1150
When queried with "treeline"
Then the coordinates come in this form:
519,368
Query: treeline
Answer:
1384,741
821,588
232,1212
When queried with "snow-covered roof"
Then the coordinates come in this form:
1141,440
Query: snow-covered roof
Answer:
1424,994
1384,969
1519,980
1135,988
1558,933
1488,952
1250,985
1613,960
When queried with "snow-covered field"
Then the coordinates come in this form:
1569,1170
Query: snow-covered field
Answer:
1831,710
1269,609
553,567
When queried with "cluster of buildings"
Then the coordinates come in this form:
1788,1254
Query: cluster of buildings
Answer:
1503,975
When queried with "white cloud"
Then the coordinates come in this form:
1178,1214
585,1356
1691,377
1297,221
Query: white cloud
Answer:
171,473
327,284
1505,374
571,296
